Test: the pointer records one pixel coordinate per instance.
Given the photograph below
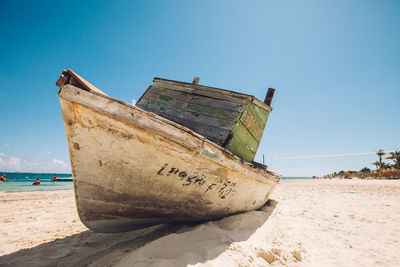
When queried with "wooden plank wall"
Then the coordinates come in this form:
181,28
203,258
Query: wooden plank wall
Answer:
207,112
229,119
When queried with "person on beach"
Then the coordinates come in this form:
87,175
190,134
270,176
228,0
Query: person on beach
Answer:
37,182
54,178
3,178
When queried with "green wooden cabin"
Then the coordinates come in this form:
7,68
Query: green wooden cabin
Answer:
233,120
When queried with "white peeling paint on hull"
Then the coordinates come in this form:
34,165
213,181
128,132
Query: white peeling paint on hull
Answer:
133,169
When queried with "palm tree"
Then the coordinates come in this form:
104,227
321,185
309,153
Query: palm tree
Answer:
377,164
395,156
380,153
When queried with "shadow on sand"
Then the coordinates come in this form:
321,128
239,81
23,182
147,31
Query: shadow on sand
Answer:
212,239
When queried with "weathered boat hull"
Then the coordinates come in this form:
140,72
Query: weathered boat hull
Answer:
133,169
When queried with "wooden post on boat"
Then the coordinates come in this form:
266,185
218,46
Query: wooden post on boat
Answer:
269,96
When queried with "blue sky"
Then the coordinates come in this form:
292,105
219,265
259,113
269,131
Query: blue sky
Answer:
335,66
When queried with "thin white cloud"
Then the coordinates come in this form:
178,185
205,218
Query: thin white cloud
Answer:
48,152
6,145
133,102
1,159
14,162
60,163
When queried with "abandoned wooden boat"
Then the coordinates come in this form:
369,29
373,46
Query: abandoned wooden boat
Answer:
133,168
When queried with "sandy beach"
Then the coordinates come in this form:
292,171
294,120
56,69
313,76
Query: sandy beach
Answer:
307,223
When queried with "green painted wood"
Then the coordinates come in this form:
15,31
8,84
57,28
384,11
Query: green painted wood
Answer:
183,114
248,131
181,96
250,121
214,129
236,147
213,112
241,132
260,114
187,106
162,99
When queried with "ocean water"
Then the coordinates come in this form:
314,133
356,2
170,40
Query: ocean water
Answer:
20,182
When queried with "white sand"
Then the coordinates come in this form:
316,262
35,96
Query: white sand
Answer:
309,223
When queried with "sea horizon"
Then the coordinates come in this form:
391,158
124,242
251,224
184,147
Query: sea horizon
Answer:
23,181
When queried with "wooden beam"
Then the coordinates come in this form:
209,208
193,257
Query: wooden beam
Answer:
269,96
